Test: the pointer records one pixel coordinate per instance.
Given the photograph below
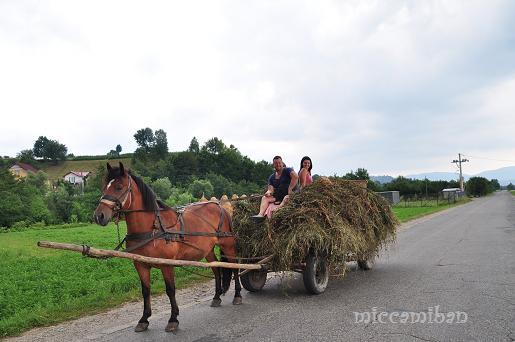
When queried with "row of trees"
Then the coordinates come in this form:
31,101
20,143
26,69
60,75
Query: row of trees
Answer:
211,169
475,186
480,186
35,200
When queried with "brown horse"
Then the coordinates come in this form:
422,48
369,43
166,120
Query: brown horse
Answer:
156,230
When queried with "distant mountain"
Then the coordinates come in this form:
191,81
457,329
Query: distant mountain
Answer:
435,176
382,179
504,175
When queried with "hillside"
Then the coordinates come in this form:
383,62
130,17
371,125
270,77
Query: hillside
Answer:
58,171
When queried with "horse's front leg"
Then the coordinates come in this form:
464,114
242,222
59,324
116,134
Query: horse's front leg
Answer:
169,278
144,276
218,280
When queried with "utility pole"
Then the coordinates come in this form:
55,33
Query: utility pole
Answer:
458,162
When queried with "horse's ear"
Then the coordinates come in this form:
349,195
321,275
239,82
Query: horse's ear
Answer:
109,167
122,170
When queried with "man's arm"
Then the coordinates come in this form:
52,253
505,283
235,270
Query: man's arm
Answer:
294,178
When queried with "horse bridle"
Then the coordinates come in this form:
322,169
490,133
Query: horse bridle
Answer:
116,204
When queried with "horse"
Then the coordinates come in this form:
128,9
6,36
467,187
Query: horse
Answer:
159,231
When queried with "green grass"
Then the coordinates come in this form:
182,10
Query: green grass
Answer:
44,286
412,210
512,192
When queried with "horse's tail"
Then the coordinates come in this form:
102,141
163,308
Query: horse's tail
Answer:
226,275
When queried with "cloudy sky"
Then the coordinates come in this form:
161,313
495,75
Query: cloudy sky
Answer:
397,87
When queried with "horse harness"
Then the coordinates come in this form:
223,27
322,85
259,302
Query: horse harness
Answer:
159,231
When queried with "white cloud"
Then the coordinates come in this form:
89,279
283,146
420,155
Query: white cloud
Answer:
383,85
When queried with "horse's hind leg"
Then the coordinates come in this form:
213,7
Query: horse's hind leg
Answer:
168,275
144,276
218,281
237,288
229,251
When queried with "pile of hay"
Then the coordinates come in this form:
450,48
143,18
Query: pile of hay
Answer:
331,217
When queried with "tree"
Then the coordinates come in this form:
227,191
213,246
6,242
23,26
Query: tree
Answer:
162,187
495,184
201,187
179,197
185,166
49,149
39,181
144,138
26,156
160,145
55,151
214,146
152,146
39,146
510,186
115,153
194,146
478,186
361,173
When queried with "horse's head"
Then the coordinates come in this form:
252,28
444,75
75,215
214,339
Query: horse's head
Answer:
116,196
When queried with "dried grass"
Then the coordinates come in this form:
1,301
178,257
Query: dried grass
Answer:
331,217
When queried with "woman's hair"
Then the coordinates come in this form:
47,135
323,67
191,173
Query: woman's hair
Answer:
310,163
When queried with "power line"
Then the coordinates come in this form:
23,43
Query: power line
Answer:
504,160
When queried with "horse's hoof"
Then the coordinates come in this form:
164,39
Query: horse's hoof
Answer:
237,301
141,327
216,302
172,327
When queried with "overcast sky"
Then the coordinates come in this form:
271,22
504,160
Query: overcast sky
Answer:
396,87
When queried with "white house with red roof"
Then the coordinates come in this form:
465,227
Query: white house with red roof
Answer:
76,177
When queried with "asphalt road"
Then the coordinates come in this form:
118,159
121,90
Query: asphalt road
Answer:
460,261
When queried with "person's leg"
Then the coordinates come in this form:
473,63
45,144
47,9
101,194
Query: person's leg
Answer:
265,202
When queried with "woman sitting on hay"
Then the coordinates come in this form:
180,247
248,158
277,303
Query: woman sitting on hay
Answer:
281,184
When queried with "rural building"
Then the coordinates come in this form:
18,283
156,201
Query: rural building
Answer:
452,193
76,177
22,170
391,196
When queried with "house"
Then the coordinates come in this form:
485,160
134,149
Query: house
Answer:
22,170
76,177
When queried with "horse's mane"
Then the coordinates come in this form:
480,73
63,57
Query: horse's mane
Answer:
150,202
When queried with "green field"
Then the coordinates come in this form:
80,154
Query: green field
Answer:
512,192
412,210
43,286
58,171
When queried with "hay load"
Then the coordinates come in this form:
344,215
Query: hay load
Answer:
332,217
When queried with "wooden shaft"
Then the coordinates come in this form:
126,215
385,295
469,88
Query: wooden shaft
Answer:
144,259
262,261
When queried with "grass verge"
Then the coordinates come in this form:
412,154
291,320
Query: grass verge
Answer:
407,213
42,286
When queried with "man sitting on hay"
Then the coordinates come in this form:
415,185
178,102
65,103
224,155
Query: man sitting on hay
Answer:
281,184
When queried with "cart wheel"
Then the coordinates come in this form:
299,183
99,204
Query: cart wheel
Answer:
316,274
253,281
367,264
